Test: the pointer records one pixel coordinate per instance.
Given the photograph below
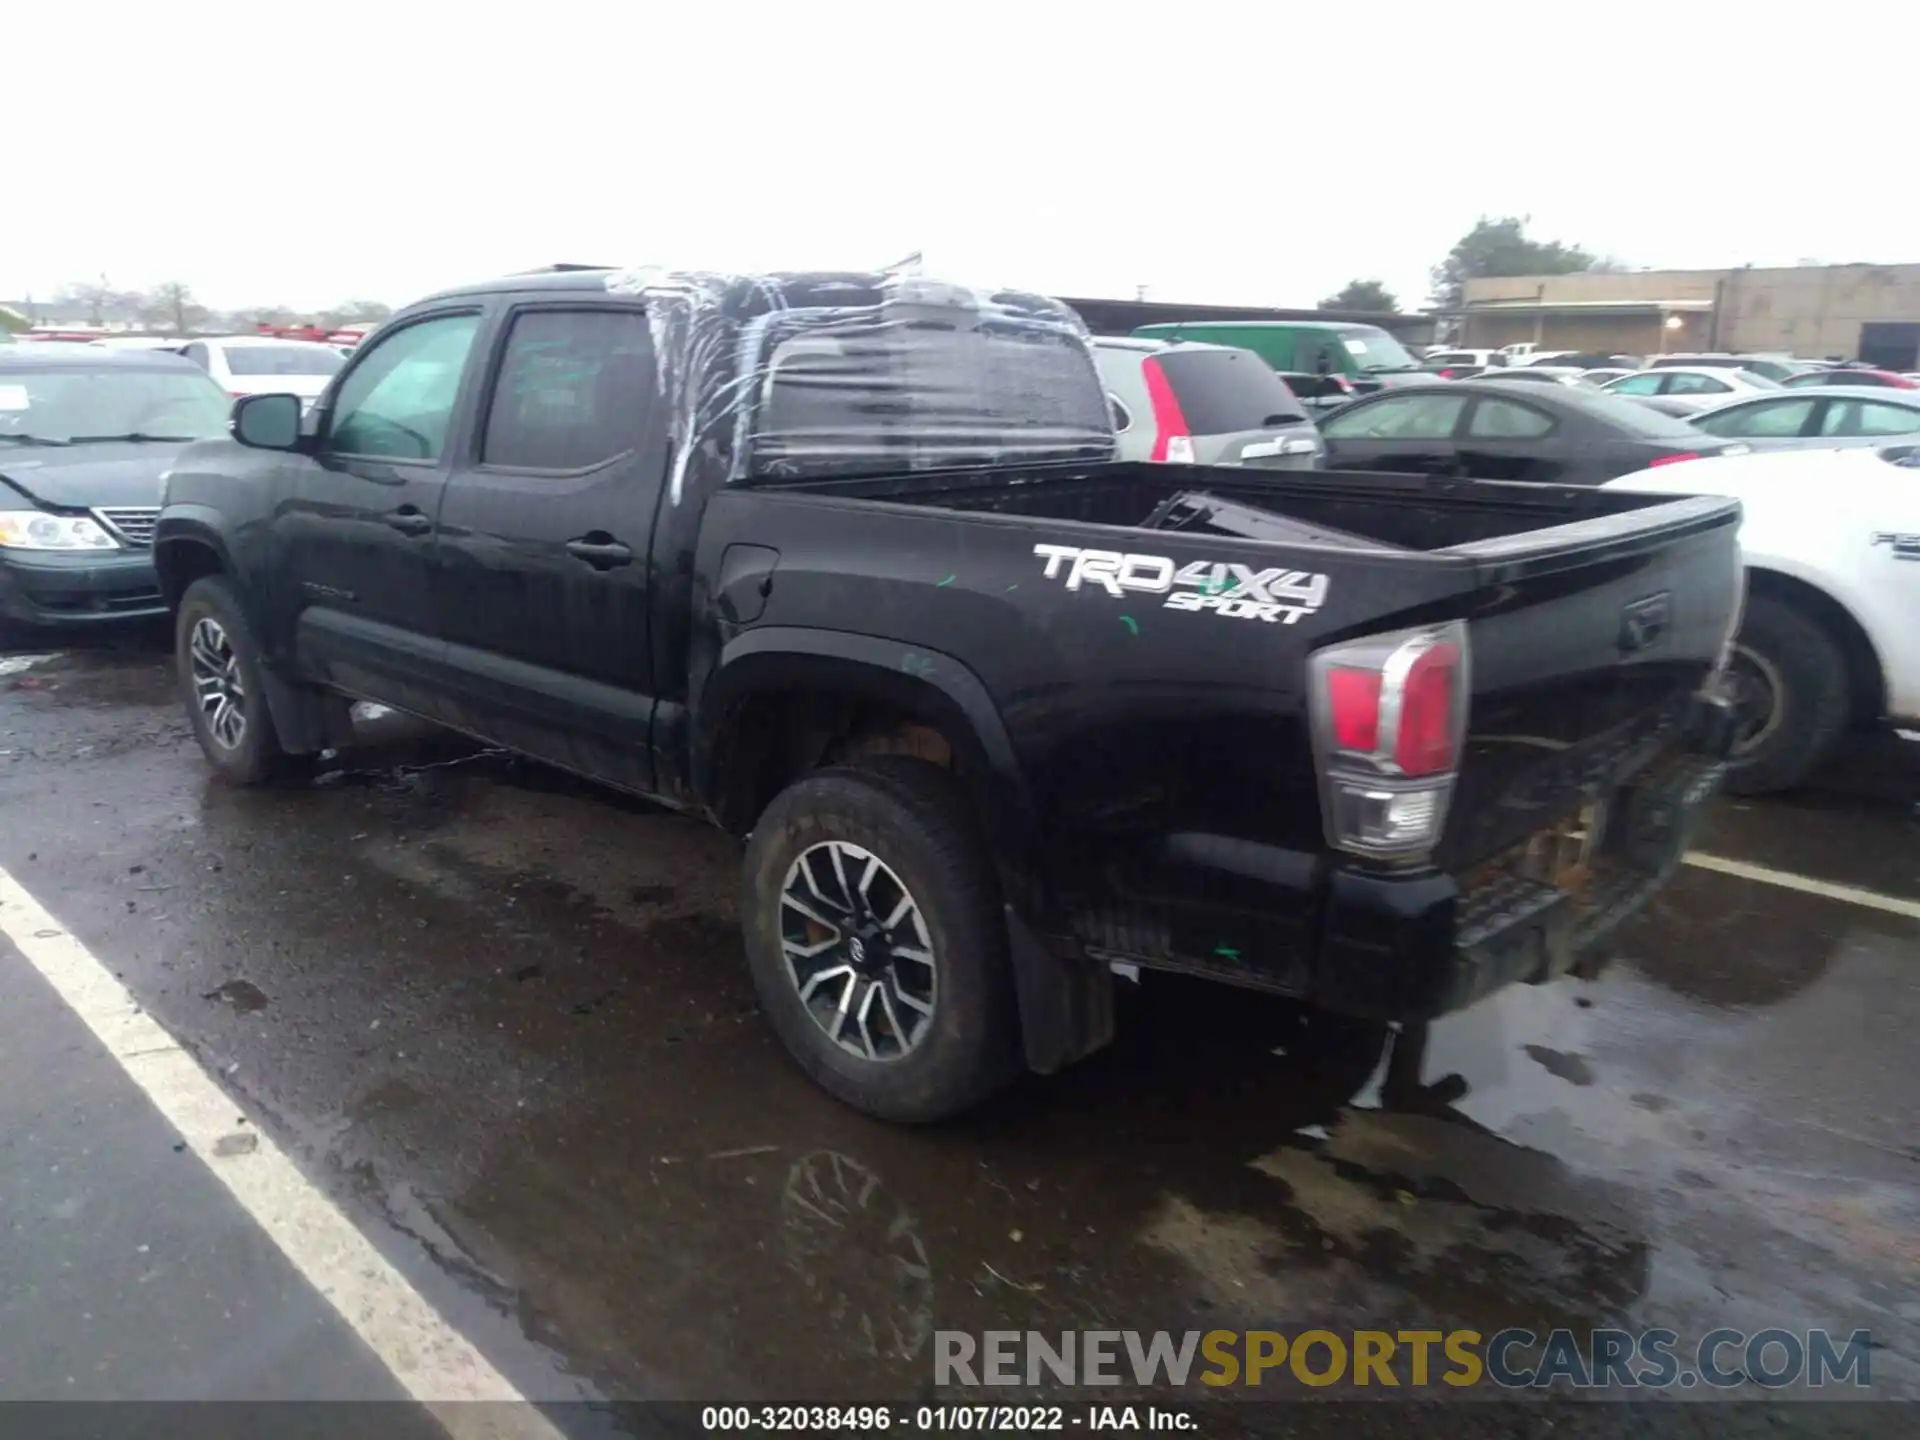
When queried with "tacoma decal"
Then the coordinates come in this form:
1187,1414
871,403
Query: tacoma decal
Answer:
1232,590
1905,547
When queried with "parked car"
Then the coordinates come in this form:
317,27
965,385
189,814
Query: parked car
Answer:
1365,356
1596,359
1827,642
1210,404
844,564
1527,352
1705,382
1854,375
1601,374
1476,359
266,365
1538,374
1815,418
1321,395
1564,434
166,343
1683,406
1773,367
85,436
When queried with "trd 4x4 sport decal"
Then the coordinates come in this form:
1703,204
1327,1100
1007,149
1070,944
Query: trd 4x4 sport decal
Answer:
1232,590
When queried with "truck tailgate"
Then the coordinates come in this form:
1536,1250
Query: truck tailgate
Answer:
1588,641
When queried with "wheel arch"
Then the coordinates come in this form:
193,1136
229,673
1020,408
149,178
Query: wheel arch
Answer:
1866,674
187,549
777,691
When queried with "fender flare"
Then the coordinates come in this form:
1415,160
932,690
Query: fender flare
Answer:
773,657
1065,998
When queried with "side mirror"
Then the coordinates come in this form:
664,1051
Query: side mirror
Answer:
267,422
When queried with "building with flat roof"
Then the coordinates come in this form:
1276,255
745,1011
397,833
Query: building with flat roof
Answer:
1863,312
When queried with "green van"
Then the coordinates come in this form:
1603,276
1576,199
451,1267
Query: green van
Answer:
1365,355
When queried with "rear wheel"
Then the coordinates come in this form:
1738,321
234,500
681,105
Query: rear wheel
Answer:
876,939
220,681
1788,684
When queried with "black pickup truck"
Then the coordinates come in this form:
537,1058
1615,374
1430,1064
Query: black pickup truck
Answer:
843,562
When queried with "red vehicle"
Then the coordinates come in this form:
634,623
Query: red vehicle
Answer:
313,333
1852,375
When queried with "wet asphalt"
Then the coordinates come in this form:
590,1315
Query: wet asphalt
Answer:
503,1019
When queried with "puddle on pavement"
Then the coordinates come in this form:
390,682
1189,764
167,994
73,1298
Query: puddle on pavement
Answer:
512,1018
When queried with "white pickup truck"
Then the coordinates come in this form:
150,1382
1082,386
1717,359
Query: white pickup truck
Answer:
1830,640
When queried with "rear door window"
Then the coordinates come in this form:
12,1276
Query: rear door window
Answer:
1225,391
572,391
1869,417
1646,384
256,360
1399,417
1508,420
1685,383
1766,419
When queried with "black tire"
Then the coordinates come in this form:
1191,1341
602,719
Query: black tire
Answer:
1795,656
254,757
912,817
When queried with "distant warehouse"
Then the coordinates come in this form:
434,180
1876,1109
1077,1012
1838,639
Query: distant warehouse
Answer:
1856,312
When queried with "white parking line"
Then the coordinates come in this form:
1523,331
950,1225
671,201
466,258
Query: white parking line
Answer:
1806,884
433,1362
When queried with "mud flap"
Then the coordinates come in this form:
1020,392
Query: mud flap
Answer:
306,720
1066,1000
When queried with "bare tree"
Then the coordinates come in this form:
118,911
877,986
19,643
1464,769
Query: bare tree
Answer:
97,295
174,305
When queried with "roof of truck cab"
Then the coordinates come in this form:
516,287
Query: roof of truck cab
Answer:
538,280
779,280
1161,326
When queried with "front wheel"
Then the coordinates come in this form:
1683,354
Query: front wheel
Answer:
220,681
876,940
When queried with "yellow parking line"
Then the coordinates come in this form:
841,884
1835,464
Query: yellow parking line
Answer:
1806,884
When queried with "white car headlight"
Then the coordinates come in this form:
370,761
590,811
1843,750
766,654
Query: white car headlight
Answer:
37,530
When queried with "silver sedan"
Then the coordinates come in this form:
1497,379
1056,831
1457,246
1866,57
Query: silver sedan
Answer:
1815,417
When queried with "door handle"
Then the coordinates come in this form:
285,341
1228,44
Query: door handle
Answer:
601,554
409,521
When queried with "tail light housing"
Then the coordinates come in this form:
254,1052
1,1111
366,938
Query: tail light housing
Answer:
1389,719
1674,459
1173,437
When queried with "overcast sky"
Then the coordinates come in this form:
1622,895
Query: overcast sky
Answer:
1255,153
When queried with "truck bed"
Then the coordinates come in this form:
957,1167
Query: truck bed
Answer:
1462,519
1135,721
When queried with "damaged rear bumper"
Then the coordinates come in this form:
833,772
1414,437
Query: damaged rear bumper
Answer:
1410,945
1411,949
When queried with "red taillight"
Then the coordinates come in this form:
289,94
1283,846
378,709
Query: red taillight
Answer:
1446,374
1354,698
1169,421
1389,727
1673,459
1425,743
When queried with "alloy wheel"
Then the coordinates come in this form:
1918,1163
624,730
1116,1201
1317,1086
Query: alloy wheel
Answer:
858,951
217,686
